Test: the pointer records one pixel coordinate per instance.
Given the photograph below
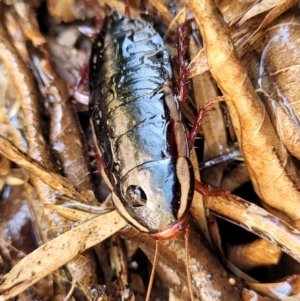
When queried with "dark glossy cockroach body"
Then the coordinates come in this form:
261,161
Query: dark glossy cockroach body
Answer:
138,127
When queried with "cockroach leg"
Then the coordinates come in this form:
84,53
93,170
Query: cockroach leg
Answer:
206,190
79,95
93,31
101,169
182,95
199,119
127,9
182,31
182,80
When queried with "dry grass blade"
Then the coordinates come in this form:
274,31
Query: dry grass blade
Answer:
58,252
53,180
272,174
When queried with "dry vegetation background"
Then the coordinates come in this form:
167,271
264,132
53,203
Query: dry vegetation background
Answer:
244,247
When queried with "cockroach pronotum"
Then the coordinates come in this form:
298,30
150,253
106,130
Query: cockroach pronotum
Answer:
140,137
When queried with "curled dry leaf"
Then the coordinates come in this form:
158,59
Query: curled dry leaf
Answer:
254,254
27,92
284,290
253,15
251,295
277,76
62,249
272,172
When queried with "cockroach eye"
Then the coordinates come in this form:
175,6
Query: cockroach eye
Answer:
136,196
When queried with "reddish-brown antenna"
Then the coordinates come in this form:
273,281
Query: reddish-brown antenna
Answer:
153,270
187,264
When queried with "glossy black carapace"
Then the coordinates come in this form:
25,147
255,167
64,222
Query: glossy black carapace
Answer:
136,118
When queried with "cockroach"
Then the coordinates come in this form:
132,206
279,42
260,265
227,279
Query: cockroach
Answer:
138,126
140,136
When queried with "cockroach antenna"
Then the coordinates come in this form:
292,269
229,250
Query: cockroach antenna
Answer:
153,270
181,68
